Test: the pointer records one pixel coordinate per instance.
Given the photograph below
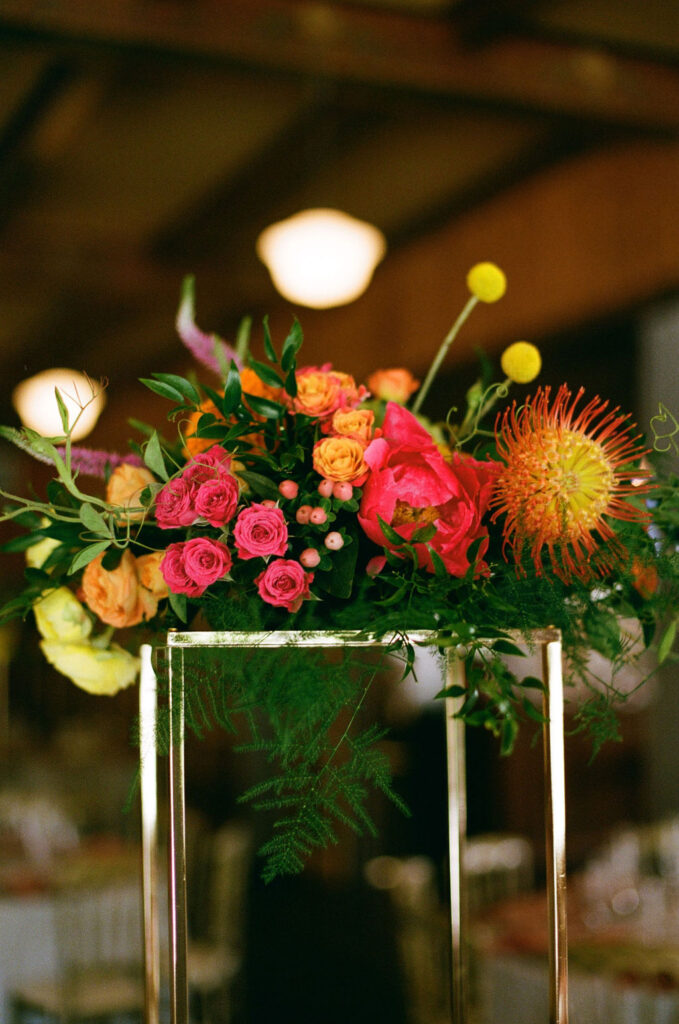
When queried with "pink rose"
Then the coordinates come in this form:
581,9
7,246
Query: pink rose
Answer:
260,531
284,583
411,486
213,464
174,505
217,500
191,566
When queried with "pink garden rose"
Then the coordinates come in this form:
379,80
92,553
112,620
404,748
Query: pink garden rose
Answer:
284,583
191,566
206,489
411,485
260,531
213,464
174,505
216,500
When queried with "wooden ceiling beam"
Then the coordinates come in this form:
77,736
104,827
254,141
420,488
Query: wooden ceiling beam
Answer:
374,47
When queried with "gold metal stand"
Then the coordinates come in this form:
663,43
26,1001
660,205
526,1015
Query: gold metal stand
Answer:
177,643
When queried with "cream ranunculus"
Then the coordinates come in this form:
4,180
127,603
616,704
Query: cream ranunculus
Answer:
61,617
38,553
100,672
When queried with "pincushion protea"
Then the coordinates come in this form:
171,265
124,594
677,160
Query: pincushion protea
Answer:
562,479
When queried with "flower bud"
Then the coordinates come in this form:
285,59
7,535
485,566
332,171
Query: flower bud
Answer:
486,282
521,362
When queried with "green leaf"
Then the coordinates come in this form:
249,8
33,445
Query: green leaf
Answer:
291,383
423,534
185,388
164,390
439,565
390,533
667,641
265,407
268,344
93,520
232,391
291,347
339,581
153,456
179,605
63,411
266,373
507,647
87,554
260,485
532,683
243,337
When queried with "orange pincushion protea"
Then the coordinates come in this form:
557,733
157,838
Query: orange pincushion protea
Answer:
562,479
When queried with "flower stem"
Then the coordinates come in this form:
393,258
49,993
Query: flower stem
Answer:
441,354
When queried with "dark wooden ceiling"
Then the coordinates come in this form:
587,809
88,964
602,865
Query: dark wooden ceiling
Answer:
144,139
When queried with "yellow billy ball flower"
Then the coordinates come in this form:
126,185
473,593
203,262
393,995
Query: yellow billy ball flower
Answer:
521,362
486,282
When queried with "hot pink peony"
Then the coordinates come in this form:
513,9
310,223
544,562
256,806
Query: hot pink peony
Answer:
191,566
411,485
284,583
260,531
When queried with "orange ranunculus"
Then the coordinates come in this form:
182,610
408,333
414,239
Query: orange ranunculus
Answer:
340,459
116,596
395,385
195,445
150,576
125,486
320,392
356,423
254,385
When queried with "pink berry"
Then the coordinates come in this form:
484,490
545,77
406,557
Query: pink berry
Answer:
334,541
268,503
318,516
325,488
288,488
310,558
343,491
303,513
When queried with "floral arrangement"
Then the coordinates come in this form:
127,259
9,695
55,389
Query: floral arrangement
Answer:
288,496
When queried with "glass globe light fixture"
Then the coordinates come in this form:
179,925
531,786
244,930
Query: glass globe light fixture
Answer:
36,403
321,257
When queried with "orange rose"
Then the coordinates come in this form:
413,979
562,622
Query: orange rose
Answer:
195,445
320,392
150,576
395,385
116,596
356,423
125,486
340,459
254,385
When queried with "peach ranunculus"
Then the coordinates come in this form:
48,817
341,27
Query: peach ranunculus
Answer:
355,423
195,445
321,391
116,596
340,459
395,385
150,576
125,486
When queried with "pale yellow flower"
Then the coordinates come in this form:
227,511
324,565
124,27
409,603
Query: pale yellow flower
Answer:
100,672
521,362
60,616
487,282
38,553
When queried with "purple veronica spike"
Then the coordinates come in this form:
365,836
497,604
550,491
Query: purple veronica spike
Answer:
203,347
93,461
